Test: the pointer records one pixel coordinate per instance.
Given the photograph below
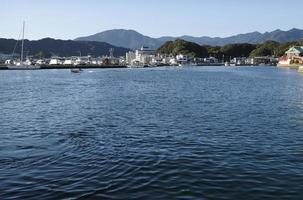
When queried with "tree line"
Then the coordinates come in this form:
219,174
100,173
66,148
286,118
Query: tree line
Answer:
269,48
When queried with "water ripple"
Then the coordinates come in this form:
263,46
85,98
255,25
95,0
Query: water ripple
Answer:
163,133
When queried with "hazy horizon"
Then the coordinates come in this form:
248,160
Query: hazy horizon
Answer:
72,19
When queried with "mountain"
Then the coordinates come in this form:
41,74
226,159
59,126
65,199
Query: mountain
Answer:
123,38
47,47
133,40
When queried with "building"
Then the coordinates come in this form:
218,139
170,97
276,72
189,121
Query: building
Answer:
284,61
130,56
4,57
144,51
183,59
144,55
238,60
294,55
210,60
295,51
56,61
262,60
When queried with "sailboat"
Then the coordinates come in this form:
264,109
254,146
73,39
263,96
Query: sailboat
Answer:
23,65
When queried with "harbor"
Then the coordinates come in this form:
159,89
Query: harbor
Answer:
141,58
151,100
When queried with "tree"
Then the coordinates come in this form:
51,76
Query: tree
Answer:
183,47
269,48
238,50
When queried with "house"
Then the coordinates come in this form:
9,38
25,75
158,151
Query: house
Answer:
294,55
295,51
238,60
183,59
211,60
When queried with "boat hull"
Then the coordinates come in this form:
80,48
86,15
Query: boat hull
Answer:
76,70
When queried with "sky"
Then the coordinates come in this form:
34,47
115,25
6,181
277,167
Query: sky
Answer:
69,19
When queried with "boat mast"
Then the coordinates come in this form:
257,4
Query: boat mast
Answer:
22,41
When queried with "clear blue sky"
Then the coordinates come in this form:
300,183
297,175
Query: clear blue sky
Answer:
68,19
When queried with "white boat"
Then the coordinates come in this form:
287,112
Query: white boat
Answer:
226,64
23,65
300,69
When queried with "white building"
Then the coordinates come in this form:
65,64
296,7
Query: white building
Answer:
55,61
144,55
211,60
173,61
130,56
40,62
238,60
9,62
183,59
68,62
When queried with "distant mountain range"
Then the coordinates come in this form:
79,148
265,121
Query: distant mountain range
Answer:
124,38
50,47
133,40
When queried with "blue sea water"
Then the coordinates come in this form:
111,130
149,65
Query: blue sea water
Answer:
159,133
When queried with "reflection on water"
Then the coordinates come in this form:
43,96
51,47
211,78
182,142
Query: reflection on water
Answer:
162,133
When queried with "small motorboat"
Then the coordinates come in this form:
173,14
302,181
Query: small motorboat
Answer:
75,70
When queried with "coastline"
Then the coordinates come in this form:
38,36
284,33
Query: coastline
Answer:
290,66
4,67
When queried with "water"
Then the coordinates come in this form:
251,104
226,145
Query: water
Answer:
163,133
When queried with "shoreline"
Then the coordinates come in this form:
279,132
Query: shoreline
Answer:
42,67
291,66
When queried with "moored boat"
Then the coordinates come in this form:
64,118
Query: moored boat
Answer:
76,70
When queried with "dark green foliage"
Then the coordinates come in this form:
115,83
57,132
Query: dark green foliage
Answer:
268,48
214,51
183,47
237,50
48,47
195,50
